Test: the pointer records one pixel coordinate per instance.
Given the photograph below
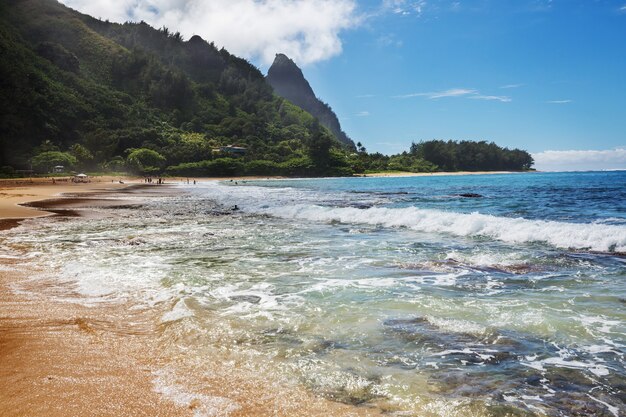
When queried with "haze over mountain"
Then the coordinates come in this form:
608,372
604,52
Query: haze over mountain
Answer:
288,81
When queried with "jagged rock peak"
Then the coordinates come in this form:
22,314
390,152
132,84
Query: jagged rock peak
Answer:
195,39
287,80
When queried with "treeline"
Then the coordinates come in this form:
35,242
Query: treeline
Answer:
471,156
440,155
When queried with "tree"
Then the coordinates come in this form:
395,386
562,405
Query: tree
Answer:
117,163
319,146
145,160
45,161
82,155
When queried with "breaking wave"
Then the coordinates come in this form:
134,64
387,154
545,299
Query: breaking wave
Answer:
593,237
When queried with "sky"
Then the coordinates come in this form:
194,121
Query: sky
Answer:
547,76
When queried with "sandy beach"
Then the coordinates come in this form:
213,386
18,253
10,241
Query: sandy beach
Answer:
61,356
14,193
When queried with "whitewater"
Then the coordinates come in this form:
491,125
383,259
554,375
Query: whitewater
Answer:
398,294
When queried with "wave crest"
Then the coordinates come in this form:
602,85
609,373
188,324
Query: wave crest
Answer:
593,237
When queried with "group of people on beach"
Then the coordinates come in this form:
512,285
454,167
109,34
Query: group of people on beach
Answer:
149,180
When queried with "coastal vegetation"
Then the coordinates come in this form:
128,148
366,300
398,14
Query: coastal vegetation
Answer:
88,94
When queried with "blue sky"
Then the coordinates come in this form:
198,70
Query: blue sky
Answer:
555,76
541,75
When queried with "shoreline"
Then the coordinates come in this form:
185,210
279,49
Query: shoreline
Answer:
18,195
61,354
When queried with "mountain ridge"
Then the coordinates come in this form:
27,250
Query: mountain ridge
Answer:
68,79
289,82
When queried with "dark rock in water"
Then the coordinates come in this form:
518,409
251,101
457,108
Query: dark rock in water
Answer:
502,410
327,345
352,395
133,241
252,299
534,380
361,206
404,322
499,357
471,195
494,365
419,330
357,397
280,335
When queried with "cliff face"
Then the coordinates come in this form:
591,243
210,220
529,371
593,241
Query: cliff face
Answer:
289,82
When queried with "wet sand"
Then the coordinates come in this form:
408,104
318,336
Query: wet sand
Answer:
62,357
14,193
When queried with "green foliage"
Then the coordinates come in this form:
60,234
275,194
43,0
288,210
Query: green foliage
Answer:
220,167
409,162
144,160
296,167
471,156
116,164
111,95
70,79
46,161
263,167
83,156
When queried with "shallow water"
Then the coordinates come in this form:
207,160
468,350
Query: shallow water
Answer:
390,292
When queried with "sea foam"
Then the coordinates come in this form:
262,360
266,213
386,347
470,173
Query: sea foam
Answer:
594,237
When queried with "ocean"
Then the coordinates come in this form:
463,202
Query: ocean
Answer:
497,294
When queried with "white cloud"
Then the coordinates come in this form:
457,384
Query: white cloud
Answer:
363,114
559,101
306,30
580,160
458,92
512,86
503,99
453,92
405,7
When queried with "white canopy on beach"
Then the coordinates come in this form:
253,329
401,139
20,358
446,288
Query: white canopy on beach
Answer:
81,175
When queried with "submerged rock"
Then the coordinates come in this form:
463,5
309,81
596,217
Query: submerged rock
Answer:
252,299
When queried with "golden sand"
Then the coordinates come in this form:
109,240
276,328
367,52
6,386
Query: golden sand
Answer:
59,357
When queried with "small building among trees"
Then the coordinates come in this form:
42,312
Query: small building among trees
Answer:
232,149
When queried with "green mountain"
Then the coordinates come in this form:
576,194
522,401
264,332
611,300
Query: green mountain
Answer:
88,94
289,82
99,90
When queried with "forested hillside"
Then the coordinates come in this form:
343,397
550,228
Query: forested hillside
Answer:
94,95
99,90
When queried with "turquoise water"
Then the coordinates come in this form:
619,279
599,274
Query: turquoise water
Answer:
389,292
